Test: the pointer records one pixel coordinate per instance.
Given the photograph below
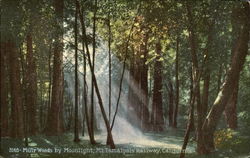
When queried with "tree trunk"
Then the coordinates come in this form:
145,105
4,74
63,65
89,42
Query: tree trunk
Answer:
205,94
196,76
31,85
192,99
157,92
106,121
49,88
189,127
4,92
54,122
170,103
226,92
219,78
176,84
144,83
92,114
131,114
16,98
25,95
109,54
76,129
81,17
231,108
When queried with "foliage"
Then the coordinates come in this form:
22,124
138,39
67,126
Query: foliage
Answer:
244,100
224,138
231,140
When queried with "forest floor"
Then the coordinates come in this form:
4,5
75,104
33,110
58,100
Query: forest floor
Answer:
162,145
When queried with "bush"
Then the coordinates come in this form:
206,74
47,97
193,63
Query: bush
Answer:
228,139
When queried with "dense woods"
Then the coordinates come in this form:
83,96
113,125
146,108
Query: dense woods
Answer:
89,68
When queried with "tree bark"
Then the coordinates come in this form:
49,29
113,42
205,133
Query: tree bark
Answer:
226,92
110,68
49,88
231,108
76,129
205,94
144,83
4,92
31,85
16,98
170,103
157,91
54,122
176,84
92,114
189,126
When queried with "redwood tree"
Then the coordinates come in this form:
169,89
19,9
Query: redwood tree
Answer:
4,91
158,120
15,90
31,85
54,121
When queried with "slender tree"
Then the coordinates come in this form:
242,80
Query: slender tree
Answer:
176,83
92,114
105,118
144,81
170,103
110,68
76,129
81,17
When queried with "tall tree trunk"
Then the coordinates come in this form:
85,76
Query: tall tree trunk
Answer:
131,95
49,88
231,108
16,98
106,121
144,83
109,57
196,76
137,89
25,96
205,94
92,114
81,17
122,75
192,99
189,126
219,78
54,122
1,79
170,103
176,84
76,129
157,91
226,92
31,85
4,92
110,68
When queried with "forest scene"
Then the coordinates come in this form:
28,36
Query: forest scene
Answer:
124,78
